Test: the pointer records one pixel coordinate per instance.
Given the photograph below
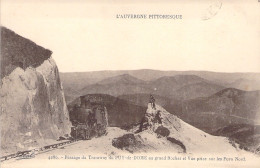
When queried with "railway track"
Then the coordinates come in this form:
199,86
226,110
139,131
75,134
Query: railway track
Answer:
31,153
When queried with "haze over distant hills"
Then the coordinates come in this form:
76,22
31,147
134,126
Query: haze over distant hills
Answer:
184,87
246,84
118,85
210,82
179,86
121,79
81,79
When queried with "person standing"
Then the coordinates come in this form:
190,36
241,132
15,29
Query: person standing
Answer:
152,101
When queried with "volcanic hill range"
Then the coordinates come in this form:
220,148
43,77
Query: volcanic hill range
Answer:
79,80
175,87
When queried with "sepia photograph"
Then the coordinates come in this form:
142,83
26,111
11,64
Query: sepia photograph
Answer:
140,83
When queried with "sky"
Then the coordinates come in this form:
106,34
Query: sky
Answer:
86,35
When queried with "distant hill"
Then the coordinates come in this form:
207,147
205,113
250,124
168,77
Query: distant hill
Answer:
169,86
246,84
120,112
200,89
121,79
115,89
246,135
183,87
143,99
228,106
79,80
70,94
171,105
116,85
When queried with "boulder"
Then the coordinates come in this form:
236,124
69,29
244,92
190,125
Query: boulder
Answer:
162,131
129,142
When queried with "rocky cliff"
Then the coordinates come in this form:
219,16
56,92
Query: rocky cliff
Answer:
89,118
33,109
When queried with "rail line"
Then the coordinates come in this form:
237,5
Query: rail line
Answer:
32,151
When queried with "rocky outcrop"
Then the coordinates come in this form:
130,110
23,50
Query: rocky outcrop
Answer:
120,113
129,142
33,109
175,141
89,118
161,131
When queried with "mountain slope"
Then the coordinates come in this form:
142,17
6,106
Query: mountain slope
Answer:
228,106
141,99
118,85
174,87
115,89
172,135
246,84
167,85
200,89
246,135
121,79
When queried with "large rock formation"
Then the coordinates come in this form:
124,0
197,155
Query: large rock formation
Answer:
89,118
161,131
121,113
33,109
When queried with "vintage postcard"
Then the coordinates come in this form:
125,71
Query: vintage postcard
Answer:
134,83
